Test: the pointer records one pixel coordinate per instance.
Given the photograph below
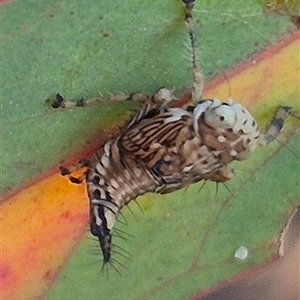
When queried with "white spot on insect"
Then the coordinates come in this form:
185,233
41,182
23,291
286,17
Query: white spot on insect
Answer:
163,94
177,114
233,153
241,253
187,168
221,139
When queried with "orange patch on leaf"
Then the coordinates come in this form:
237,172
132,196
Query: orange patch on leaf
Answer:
40,227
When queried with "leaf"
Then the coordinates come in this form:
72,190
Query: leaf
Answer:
184,242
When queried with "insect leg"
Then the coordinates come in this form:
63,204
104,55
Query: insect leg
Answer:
60,102
197,74
275,126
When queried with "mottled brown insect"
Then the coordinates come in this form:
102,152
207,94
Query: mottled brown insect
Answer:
165,148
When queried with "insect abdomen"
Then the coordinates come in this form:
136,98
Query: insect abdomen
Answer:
113,179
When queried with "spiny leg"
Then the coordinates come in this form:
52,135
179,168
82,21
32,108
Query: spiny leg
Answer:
163,95
197,74
60,102
276,125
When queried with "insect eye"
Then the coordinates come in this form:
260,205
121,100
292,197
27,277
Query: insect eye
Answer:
222,116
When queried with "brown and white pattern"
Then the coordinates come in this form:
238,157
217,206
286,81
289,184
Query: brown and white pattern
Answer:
165,148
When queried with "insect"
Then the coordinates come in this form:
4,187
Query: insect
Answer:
165,148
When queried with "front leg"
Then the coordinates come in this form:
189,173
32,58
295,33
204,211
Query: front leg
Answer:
61,102
162,96
276,125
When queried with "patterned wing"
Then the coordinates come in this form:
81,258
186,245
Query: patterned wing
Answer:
151,138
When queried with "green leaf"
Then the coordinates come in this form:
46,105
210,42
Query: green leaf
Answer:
184,242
